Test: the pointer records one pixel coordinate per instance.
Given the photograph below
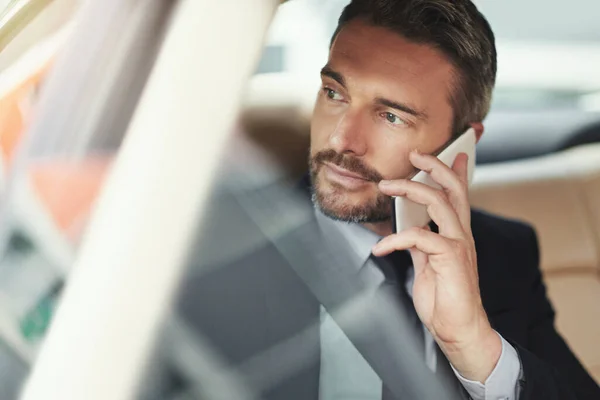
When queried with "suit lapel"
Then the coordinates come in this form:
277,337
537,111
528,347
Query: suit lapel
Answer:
291,315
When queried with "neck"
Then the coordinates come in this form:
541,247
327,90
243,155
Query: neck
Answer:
382,229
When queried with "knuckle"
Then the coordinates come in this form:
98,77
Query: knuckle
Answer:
460,248
440,197
454,245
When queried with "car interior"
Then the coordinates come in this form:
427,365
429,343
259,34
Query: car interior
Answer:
538,161
556,189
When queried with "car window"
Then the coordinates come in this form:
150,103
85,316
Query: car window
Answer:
549,54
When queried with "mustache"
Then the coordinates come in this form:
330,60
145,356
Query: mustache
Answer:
350,163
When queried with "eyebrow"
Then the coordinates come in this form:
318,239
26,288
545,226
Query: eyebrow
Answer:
336,76
339,78
401,107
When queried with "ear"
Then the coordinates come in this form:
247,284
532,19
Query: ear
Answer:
478,126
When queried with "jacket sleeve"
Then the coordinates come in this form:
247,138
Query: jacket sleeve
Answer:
550,370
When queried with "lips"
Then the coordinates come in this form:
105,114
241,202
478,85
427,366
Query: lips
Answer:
344,172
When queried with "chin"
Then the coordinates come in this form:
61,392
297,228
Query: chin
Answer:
364,206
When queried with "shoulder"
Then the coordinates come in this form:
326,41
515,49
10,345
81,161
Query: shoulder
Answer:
497,225
508,265
499,234
506,249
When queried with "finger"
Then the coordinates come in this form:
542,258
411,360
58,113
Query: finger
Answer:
463,208
418,257
461,168
419,260
445,176
438,206
419,238
453,181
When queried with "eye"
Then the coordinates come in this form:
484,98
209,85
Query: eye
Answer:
332,94
393,119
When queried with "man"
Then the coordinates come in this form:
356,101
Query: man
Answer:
403,78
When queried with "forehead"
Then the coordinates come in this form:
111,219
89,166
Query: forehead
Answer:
382,59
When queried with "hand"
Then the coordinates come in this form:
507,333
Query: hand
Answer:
446,288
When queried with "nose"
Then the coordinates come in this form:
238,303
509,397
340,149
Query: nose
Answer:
349,135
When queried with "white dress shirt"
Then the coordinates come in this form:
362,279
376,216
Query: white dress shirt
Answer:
346,375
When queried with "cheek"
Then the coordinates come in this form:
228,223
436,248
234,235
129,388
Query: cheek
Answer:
317,139
390,155
322,125
397,165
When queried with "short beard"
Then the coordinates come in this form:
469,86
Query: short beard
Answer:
380,211
376,210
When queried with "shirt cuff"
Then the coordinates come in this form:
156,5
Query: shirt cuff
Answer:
502,384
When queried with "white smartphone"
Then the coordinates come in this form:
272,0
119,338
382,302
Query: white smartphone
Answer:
408,214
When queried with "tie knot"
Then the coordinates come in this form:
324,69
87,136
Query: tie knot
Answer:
394,266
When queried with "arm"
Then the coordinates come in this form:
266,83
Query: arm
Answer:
503,383
447,298
550,370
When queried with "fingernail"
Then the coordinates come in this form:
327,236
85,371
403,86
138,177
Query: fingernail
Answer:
385,183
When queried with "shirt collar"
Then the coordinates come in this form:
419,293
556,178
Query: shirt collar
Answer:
360,239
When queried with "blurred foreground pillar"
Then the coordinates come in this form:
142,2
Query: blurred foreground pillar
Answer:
131,259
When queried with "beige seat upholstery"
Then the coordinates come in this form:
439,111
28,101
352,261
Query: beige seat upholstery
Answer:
558,194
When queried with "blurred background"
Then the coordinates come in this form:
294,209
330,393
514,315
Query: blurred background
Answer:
72,73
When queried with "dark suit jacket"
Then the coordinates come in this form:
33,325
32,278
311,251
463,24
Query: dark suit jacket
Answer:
251,300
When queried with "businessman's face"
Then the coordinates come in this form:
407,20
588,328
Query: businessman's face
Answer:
381,97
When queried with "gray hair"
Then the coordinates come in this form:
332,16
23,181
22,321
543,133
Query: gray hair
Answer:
457,29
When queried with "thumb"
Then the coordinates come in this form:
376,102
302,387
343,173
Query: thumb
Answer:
419,258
